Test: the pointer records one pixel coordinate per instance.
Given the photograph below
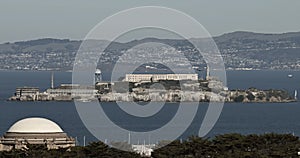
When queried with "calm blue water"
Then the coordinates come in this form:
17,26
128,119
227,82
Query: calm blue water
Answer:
236,117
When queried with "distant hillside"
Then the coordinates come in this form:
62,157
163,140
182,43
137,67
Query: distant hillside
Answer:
257,36
40,45
239,49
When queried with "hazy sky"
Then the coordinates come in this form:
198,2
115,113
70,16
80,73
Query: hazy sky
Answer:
32,19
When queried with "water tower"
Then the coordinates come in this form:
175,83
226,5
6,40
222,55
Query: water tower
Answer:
98,75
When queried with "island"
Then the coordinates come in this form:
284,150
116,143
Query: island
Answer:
152,87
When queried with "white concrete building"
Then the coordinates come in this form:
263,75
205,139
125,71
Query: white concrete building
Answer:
72,91
156,77
26,91
144,150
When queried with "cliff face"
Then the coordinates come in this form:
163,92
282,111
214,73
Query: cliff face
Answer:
170,96
253,95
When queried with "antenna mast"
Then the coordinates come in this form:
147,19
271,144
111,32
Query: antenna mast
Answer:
52,80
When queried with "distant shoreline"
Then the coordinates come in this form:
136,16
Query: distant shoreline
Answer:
70,71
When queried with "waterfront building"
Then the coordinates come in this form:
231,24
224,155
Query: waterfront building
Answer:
156,77
26,91
72,91
35,131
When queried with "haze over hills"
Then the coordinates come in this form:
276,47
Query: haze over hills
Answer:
240,50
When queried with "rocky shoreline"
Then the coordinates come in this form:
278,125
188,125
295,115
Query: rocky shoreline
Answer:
189,96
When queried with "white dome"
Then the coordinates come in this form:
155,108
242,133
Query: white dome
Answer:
35,125
98,71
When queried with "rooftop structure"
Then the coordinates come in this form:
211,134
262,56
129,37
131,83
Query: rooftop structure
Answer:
144,150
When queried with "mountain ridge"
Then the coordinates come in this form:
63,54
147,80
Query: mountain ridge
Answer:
232,34
240,49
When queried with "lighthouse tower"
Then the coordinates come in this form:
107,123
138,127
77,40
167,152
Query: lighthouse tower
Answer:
98,76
